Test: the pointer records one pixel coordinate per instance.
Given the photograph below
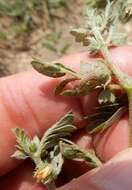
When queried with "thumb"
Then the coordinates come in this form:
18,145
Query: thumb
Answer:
115,175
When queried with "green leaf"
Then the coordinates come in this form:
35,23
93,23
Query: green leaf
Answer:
54,70
106,96
19,155
95,66
36,141
60,87
125,11
106,114
25,146
21,137
34,144
99,126
68,70
108,107
62,128
97,3
56,161
101,16
119,39
96,69
80,34
94,46
93,75
49,69
71,93
73,152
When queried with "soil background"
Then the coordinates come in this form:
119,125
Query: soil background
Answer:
16,53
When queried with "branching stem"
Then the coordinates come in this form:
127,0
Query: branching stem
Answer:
124,81
51,186
104,50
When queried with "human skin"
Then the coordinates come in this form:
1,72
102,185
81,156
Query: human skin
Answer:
27,101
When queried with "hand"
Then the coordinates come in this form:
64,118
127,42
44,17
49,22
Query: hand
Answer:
27,101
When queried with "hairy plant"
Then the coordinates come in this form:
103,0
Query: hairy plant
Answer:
98,34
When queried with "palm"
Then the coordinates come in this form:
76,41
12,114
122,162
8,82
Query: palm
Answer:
29,102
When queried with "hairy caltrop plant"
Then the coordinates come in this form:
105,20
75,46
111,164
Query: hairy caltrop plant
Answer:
98,34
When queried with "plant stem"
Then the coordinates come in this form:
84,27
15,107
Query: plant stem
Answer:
51,186
130,116
40,165
124,80
104,50
38,162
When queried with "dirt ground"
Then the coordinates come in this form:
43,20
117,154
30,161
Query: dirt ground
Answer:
16,54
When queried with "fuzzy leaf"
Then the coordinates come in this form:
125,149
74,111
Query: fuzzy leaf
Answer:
59,88
54,70
62,128
21,138
125,11
94,67
119,39
34,144
25,146
97,3
70,93
106,96
73,152
101,126
101,16
19,155
66,69
55,161
94,45
93,75
36,141
80,34
48,69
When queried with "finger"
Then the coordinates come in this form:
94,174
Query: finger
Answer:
20,179
115,175
122,57
27,101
